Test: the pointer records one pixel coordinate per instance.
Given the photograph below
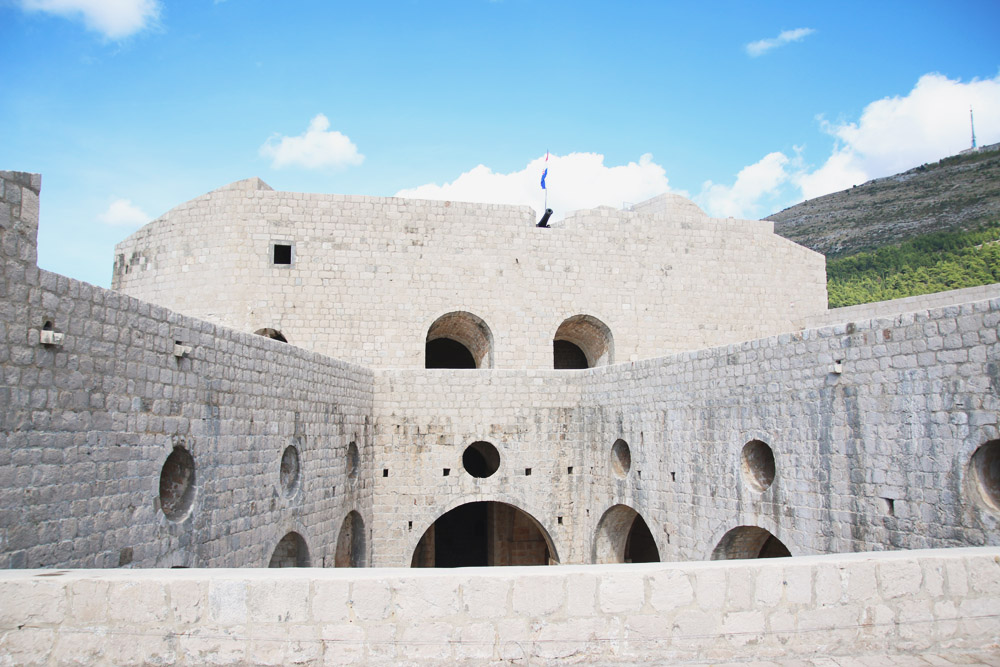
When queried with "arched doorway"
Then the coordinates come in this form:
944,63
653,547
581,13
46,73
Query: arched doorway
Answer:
623,536
482,534
749,542
458,340
351,542
582,341
290,552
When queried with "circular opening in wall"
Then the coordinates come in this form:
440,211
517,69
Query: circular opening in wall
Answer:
290,471
985,465
352,460
177,484
481,459
757,465
621,458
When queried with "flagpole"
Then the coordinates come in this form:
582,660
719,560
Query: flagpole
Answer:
546,188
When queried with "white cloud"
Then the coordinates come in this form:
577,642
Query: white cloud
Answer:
898,133
744,198
123,213
316,148
762,46
575,181
115,19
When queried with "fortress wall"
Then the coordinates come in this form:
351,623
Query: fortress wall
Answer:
923,607
370,275
876,457
426,419
868,311
87,425
18,221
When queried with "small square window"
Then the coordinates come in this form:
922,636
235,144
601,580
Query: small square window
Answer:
282,253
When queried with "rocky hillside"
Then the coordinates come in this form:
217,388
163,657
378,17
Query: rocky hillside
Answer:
958,193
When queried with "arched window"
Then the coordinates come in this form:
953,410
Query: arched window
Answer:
582,341
459,340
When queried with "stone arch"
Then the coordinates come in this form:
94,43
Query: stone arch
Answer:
623,536
291,551
458,340
582,335
749,542
351,542
273,334
484,533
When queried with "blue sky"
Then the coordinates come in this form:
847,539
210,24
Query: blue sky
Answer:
130,107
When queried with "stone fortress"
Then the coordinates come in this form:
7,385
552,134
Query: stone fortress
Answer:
289,379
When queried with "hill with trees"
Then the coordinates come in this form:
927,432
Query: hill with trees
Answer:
929,229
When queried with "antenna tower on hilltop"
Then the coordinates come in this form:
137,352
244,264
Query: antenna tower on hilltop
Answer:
972,124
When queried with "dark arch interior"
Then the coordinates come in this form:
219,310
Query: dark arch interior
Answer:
273,334
568,356
290,552
749,542
639,545
447,353
482,534
773,548
351,550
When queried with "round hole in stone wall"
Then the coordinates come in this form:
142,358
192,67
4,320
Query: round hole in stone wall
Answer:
290,471
985,464
481,459
177,484
621,458
757,465
352,460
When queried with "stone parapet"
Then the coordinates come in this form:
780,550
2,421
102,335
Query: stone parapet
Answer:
894,606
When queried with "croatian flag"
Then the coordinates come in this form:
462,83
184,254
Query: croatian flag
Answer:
546,172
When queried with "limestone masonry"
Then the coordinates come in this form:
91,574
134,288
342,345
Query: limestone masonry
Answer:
462,388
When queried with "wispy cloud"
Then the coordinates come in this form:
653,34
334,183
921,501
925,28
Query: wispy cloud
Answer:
123,213
115,19
575,181
316,148
762,46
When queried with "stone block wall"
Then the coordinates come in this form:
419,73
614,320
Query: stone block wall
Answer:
875,456
88,425
924,607
369,276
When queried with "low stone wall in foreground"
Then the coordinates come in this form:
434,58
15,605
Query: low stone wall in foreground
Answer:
888,603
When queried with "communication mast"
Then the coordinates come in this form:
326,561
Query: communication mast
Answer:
972,124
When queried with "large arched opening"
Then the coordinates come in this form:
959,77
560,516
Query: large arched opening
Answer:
484,533
459,340
623,536
351,542
749,542
580,342
291,551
